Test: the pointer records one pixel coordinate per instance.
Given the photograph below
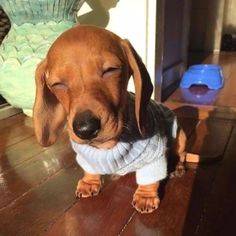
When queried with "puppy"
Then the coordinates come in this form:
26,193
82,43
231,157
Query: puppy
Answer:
83,82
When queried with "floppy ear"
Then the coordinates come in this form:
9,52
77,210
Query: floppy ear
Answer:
142,83
48,114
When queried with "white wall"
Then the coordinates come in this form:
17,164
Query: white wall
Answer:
229,24
214,25
136,21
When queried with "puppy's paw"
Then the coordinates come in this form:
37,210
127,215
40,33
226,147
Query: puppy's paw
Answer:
144,204
179,171
87,189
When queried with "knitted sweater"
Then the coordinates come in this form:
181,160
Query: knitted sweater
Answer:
144,155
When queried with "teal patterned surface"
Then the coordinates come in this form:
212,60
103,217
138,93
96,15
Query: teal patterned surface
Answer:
35,11
35,25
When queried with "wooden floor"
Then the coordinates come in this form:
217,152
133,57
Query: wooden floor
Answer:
37,187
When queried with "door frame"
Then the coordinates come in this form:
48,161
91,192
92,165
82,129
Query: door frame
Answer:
178,69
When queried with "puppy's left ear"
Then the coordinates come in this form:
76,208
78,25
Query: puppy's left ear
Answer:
49,115
142,83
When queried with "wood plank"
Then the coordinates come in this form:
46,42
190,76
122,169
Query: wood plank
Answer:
210,139
200,203
18,153
219,215
201,111
33,172
170,216
26,149
10,121
8,111
35,211
181,207
200,190
102,215
14,133
228,97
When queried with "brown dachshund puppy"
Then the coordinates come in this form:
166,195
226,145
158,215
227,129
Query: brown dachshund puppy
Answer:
83,82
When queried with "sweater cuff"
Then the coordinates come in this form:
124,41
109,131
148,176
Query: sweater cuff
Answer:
85,165
152,172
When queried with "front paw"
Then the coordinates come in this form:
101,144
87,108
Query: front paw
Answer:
87,189
145,204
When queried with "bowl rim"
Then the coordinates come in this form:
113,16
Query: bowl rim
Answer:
205,67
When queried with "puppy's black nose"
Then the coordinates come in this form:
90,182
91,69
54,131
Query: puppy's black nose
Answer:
86,125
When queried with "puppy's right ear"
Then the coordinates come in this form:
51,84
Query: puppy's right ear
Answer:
48,114
142,83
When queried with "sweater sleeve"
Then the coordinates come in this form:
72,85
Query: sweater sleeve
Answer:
152,172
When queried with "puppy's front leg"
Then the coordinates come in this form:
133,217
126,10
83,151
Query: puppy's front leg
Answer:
145,199
88,186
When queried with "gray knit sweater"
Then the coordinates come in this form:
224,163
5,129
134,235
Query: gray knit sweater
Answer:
133,153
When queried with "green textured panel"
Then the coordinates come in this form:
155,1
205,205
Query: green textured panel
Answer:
35,25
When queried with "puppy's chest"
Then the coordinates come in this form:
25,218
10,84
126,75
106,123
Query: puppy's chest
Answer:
131,153
123,158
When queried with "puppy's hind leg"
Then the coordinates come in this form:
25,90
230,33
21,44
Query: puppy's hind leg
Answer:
180,145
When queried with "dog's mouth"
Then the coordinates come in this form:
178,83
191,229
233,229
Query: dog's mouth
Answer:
99,142
108,144
105,139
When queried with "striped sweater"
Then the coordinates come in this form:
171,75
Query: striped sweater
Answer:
144,155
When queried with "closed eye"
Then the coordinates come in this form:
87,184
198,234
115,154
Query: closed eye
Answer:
111,71
58,85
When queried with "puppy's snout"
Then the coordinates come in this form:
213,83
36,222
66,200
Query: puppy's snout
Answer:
86,125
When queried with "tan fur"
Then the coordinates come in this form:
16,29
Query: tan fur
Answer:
89,67
145,198
88,186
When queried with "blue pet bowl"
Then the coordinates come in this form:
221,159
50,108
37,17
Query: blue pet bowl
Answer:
205,74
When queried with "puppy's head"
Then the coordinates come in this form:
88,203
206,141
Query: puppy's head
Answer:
83,81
